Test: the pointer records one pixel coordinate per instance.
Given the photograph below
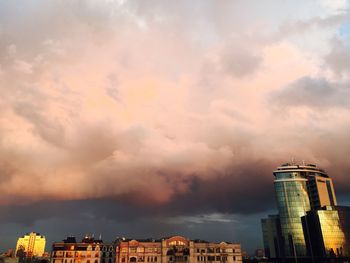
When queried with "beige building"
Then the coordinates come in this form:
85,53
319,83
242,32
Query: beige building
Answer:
176,249
321,191
33,244
89,250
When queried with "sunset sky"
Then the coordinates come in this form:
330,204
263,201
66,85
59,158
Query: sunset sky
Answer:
159,117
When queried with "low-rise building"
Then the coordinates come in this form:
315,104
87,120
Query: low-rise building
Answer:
89,250
175,250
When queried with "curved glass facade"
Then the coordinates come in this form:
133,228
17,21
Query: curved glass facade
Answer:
293,202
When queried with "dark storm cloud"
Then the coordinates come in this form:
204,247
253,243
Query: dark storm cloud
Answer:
235,191
82,218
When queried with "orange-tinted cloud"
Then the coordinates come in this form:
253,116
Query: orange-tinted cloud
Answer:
116,99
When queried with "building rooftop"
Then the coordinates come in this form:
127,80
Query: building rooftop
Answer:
309,169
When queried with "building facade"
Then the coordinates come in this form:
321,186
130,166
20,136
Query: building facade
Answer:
320,190
271,228
292,203
89,250
31,245
176,249
327,232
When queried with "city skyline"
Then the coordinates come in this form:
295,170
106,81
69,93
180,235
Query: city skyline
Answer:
155,118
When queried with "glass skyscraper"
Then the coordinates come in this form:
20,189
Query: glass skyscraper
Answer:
299,189
292,203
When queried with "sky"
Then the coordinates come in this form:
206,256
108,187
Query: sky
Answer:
155,118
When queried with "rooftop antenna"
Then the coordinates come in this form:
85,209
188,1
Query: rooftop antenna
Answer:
100,237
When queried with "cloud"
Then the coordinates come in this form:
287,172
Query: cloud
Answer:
200,219
240,61
338,59
312,92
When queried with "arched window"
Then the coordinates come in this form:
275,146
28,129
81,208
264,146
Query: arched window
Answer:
133,259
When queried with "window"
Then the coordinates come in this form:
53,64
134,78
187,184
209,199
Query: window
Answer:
177,243
133,259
